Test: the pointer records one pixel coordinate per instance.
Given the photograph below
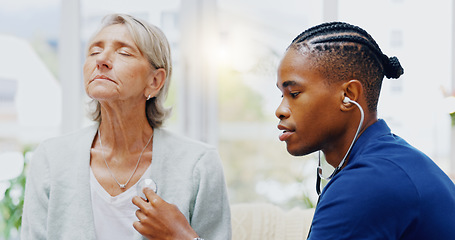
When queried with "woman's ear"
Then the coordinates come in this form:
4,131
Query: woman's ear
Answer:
353,90
156,82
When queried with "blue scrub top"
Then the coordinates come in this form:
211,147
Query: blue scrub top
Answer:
387,190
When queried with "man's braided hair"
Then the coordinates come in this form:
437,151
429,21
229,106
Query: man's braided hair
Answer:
342,52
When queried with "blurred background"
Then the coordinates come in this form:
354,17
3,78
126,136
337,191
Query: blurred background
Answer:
223,90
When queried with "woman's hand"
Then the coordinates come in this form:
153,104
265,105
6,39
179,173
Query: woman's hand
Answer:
161,220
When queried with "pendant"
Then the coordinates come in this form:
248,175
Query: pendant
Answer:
122,186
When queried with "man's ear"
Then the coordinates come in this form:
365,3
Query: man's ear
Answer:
156,82
352,89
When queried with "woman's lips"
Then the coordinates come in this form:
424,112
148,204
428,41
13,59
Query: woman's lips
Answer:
102,77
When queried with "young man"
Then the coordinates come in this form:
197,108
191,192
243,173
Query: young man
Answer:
382,187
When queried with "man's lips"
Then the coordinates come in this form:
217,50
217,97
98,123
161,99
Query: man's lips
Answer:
286,134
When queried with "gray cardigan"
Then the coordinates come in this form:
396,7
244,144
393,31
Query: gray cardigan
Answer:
57,203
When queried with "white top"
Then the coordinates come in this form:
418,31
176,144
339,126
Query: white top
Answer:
114,216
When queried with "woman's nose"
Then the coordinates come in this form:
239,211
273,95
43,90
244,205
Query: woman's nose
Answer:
103,60
283,111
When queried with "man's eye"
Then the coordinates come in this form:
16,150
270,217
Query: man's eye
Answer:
294,94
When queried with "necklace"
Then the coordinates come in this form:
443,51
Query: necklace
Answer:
122,186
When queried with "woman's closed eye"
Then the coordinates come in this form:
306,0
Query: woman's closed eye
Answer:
124,53
94,51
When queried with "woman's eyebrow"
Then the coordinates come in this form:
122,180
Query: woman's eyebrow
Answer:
97,43
124,44
117,43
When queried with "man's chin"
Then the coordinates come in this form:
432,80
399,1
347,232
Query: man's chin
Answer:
298,151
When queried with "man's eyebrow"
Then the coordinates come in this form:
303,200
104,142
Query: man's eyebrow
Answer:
289,83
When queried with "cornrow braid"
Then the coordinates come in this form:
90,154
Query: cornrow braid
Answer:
391,66
333,27
311,31
350,38
345,51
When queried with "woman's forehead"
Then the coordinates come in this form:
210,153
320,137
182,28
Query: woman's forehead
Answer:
119,30
116,34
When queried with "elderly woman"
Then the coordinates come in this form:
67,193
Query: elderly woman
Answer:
84,185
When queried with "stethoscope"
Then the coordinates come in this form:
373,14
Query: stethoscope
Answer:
338,168
145,183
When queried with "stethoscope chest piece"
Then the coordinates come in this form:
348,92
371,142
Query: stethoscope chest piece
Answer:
145,183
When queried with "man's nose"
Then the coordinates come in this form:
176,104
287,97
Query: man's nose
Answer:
283,111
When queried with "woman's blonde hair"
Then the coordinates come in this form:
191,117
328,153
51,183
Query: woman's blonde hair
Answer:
154,45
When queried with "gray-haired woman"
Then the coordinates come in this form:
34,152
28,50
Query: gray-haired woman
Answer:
82,185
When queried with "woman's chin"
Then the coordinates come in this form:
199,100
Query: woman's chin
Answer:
102,94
